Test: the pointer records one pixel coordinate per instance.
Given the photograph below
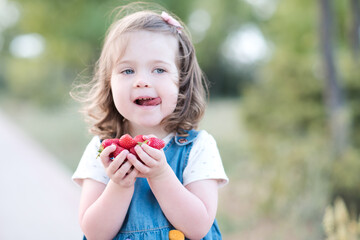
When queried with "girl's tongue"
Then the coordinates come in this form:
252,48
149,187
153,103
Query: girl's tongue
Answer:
148,101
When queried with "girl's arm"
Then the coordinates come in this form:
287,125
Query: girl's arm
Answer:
103,207
190,209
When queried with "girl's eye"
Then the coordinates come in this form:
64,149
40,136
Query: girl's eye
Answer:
128,71
159,70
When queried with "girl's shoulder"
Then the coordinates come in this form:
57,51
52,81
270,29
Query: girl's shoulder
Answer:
94,144
95,140
205,144
205,161
90,165
204,138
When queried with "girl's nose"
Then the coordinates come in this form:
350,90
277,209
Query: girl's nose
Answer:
141,82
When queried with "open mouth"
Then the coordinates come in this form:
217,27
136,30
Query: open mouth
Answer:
148,101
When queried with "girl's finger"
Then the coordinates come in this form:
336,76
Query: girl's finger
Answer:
145,157
108,150
104,155
141,167
118,161
152,152
130,178
132,174
123,170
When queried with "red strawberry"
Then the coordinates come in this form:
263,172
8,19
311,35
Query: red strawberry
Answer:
132,150
108,142
139,139
116,152
156,143
127,142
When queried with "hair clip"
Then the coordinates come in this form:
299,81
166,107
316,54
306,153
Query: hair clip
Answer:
172,21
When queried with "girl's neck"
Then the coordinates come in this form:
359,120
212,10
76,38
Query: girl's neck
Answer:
159,132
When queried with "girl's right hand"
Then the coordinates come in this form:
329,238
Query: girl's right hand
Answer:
119,169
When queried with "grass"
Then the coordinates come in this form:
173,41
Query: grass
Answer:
222,120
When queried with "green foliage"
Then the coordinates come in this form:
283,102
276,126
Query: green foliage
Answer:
290,102
344,176
350,77
286,117
37,80
284,113
72,30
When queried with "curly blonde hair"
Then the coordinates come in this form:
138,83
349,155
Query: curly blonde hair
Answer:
99,108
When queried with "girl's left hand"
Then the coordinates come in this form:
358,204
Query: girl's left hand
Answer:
152,163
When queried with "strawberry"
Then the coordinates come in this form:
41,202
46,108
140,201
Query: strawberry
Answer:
108,142
132,150
139,139
155,143
126,141
116,152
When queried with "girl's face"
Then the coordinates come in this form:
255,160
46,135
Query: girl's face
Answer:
144,82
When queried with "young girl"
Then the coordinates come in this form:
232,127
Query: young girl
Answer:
148,81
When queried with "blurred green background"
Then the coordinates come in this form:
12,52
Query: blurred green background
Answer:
284,100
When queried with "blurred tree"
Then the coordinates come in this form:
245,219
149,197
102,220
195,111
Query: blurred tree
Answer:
285,111
334,100
70,44
226,17
355,26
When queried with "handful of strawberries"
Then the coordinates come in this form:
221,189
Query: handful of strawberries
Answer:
126,142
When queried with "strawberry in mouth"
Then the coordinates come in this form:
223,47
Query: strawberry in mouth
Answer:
148,101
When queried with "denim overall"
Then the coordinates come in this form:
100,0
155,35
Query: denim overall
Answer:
144,219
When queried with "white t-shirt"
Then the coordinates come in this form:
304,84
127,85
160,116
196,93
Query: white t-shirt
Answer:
204,162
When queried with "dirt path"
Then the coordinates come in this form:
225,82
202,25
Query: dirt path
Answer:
38,200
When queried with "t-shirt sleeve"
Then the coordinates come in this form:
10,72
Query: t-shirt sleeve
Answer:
90,166
204,161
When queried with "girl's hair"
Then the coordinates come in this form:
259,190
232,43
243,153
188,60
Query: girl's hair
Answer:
99,107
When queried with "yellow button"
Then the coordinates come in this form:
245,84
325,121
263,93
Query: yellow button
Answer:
176,235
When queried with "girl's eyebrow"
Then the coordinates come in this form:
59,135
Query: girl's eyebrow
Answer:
124,62
161,62
156,61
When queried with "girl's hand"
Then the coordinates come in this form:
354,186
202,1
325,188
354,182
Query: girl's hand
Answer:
152,163
119,169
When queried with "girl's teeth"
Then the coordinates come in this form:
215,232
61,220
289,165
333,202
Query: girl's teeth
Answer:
148,101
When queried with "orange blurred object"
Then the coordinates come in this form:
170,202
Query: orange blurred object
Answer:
176,235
